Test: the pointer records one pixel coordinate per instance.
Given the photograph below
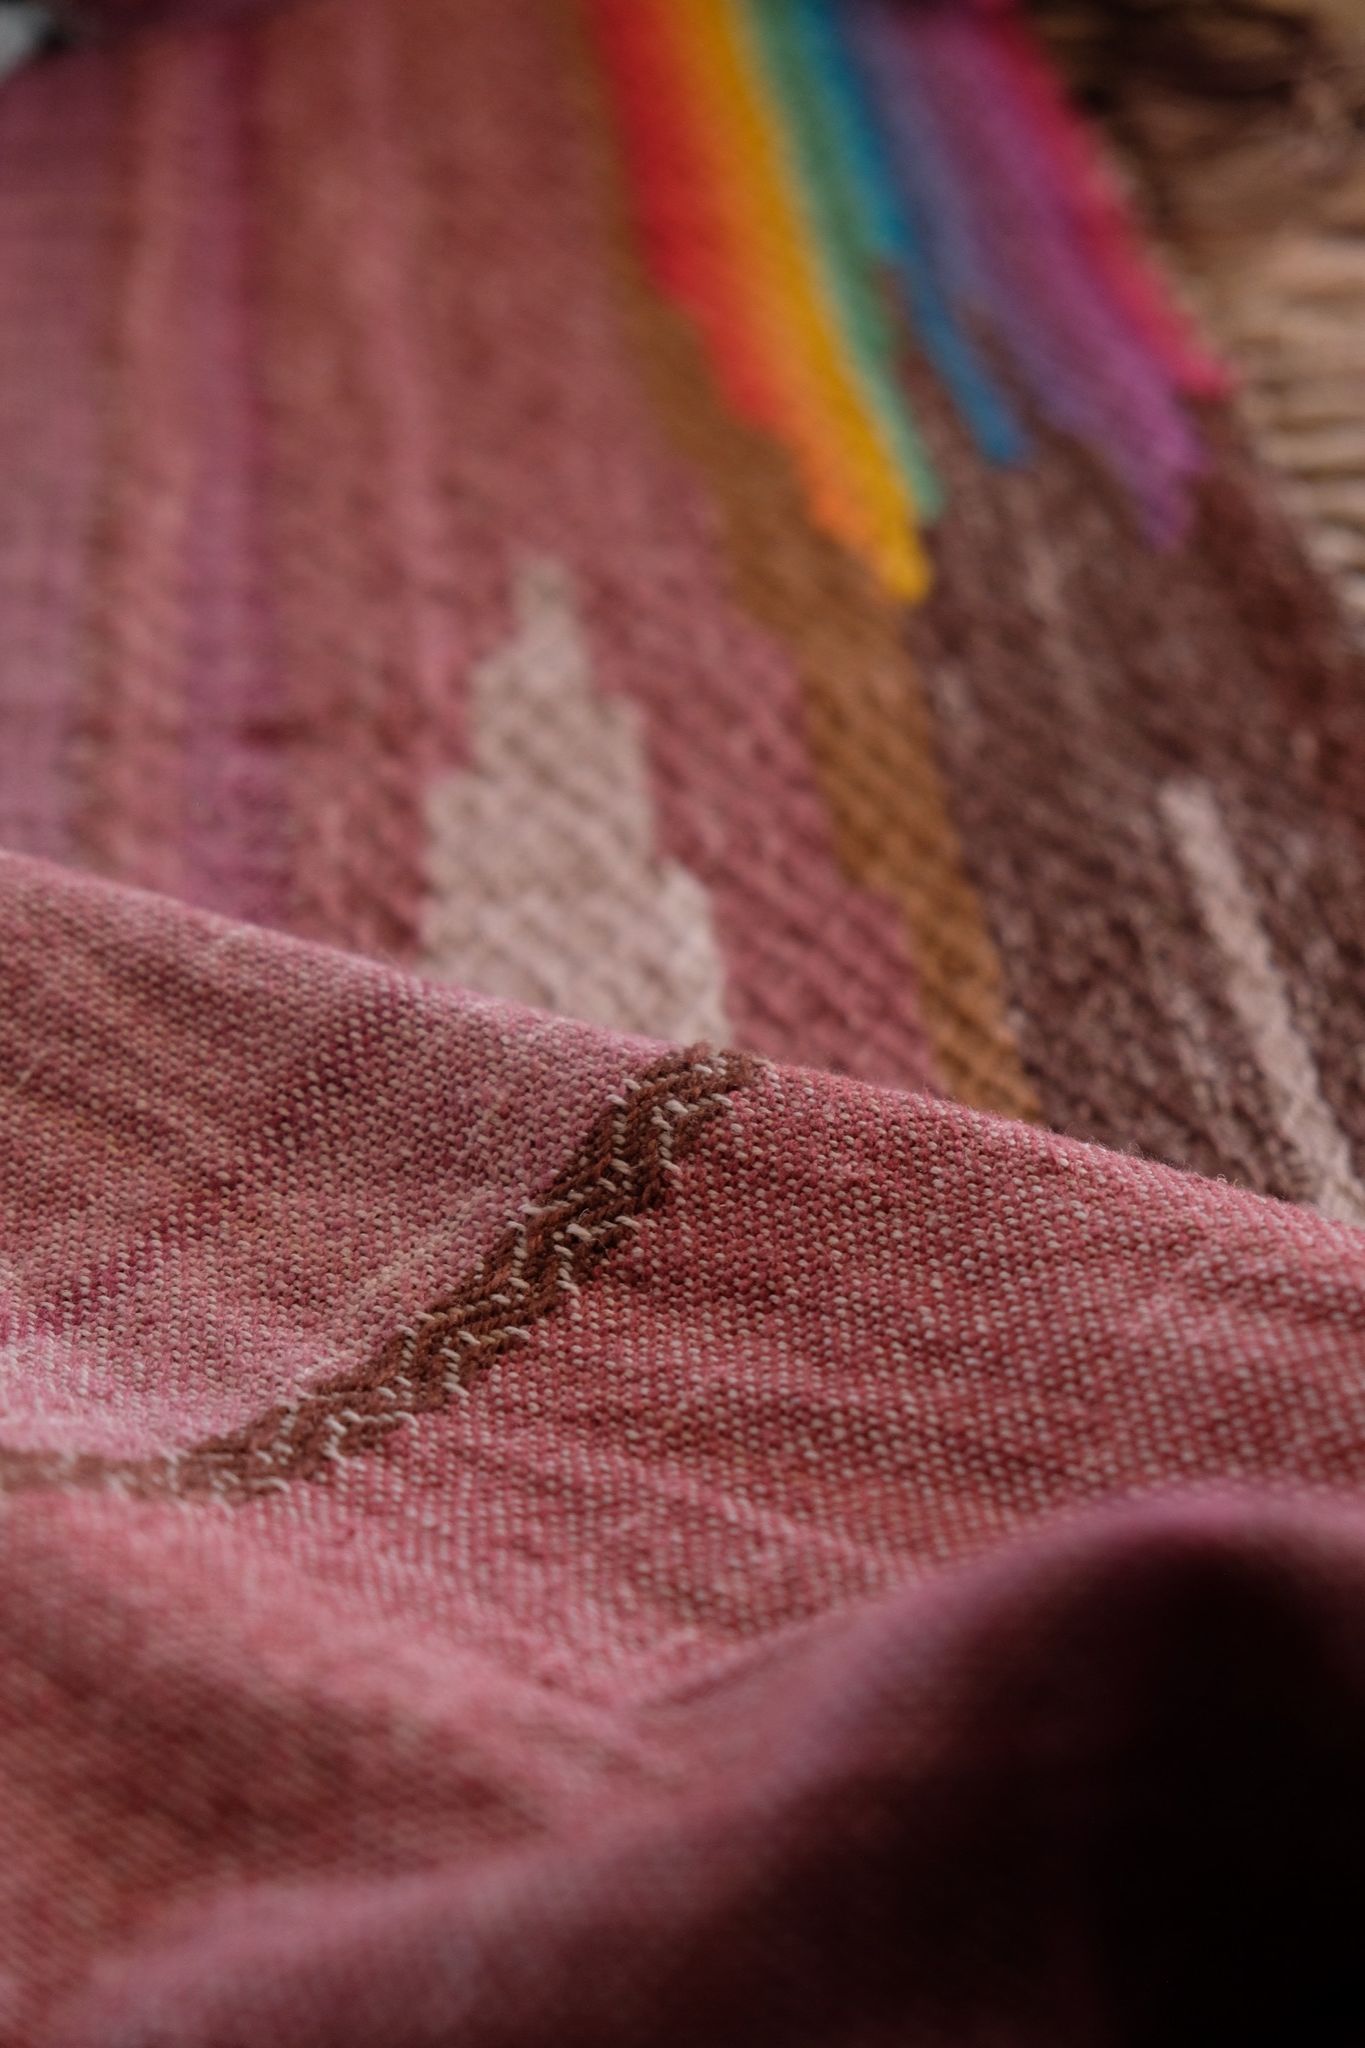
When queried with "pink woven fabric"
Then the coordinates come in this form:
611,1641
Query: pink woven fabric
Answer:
399,1645
721,1522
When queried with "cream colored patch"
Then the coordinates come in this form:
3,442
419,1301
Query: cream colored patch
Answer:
545,882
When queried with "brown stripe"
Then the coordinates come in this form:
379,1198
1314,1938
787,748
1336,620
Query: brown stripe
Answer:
1297,818
1080,668
868,721
621,1171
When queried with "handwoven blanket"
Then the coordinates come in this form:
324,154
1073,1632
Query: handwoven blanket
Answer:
682,1059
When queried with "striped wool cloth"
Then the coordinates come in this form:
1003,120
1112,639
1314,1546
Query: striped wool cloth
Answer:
682,1058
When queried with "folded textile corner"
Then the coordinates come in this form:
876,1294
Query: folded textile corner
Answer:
505,1529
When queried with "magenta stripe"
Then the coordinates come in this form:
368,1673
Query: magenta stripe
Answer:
926,153
1090,371
57,125
1098,211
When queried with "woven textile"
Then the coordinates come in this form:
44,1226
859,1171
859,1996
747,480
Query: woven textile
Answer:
478,1495
947,708
643,677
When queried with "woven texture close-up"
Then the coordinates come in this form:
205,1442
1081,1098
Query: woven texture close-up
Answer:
682,1024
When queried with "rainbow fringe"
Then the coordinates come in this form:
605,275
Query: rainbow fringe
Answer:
825,185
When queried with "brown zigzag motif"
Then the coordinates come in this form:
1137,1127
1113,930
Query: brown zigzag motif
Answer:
621,1171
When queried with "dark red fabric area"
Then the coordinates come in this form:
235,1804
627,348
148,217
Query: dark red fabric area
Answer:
1110,1790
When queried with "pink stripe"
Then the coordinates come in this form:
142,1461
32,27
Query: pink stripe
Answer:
317,430
133,808
366,606
402,373
236,789
56,129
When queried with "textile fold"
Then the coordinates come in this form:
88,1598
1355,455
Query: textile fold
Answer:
513,1530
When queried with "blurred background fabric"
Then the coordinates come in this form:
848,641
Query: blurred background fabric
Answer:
702,517
1243,126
